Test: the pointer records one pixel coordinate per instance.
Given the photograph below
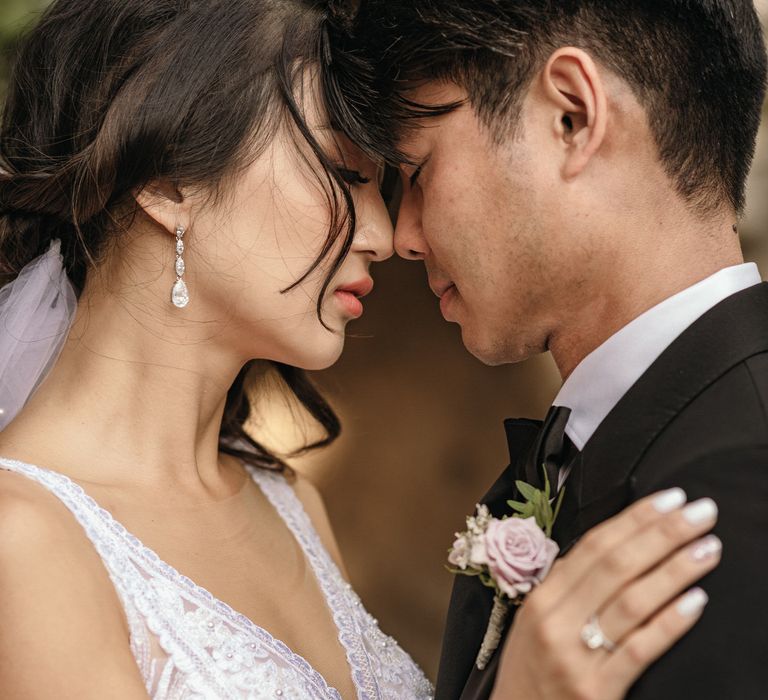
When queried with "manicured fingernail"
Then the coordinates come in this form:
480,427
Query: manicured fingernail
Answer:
701,511
707,548
692,602
667,501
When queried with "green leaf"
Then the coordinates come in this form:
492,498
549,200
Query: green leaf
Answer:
487,581
529,492
463,572
558,504
547,486
546,511
517,505
525,514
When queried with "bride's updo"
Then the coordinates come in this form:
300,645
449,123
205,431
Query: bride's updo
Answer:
109,95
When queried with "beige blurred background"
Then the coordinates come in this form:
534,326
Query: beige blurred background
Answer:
423,436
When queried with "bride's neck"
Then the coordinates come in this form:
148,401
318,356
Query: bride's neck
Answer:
134,399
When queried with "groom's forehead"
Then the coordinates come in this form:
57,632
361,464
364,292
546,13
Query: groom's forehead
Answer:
411,131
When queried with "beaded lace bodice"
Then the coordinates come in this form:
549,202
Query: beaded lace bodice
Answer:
191,646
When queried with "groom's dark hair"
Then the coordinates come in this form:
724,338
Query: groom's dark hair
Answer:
698,67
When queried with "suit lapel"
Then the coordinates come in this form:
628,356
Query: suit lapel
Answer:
726,335
471,602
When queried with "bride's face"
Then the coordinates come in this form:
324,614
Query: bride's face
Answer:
270,225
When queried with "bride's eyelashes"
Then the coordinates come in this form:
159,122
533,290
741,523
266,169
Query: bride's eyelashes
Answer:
353,177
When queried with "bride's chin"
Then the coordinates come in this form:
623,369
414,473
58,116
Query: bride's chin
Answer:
320,355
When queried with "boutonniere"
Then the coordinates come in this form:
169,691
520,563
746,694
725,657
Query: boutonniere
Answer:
511,555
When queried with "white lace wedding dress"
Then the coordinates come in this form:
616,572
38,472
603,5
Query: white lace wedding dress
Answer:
191,646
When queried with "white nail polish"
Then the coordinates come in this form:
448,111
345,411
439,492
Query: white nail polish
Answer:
668,501
706,548
701,511
692,602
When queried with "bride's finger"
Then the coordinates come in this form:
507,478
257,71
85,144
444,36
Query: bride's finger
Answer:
634,557
607,537
648,594
641,648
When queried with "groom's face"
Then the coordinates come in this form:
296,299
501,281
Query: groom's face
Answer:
488,219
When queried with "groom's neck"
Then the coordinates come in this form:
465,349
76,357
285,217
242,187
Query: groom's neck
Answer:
654,265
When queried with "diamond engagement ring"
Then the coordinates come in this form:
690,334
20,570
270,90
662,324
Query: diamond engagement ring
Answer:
593,636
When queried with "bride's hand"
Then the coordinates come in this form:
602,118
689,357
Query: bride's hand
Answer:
629,572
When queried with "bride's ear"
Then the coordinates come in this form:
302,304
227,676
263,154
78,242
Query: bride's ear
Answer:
165,205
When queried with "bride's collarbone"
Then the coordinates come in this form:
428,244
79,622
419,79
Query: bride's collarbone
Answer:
243,553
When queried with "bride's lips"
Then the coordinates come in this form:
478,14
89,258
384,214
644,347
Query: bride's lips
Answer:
349,296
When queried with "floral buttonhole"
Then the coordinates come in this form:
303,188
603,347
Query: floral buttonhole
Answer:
511,555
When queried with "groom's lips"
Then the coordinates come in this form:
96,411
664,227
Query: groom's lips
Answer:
440,288
446,291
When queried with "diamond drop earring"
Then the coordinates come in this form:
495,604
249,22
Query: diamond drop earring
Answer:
179,293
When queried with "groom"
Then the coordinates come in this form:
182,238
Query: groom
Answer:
573,176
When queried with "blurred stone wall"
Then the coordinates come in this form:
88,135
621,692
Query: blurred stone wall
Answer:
423,433
15,15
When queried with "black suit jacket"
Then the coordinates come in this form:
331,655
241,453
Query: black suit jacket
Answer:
698,419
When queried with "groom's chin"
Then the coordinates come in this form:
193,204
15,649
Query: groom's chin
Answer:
494,349
488,350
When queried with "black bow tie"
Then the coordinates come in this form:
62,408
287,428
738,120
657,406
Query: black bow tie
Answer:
553,449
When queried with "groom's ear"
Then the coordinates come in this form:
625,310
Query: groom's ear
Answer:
572,84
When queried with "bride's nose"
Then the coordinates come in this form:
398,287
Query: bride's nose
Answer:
410,243
374,235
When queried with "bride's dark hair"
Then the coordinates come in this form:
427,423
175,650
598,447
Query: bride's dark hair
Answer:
108,96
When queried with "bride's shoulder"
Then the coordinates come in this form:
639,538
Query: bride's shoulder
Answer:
314,506
41,542
27,510
60,612
36,529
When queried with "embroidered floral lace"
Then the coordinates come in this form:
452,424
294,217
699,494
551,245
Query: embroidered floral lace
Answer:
191,646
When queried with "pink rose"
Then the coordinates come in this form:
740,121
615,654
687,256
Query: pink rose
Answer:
519,554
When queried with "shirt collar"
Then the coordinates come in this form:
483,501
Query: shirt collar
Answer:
606,374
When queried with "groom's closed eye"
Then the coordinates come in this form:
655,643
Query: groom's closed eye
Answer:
415,176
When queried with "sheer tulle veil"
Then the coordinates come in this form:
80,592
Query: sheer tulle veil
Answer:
36,312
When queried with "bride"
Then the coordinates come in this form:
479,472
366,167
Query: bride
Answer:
178,218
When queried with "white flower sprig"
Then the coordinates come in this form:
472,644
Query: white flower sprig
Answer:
511,555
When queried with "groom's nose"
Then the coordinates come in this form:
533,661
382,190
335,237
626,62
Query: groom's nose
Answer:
409,235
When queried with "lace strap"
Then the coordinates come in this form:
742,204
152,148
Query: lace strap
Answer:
343,603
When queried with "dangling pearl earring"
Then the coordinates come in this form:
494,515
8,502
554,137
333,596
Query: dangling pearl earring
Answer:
179,293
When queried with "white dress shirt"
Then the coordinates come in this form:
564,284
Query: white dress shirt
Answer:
606,374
